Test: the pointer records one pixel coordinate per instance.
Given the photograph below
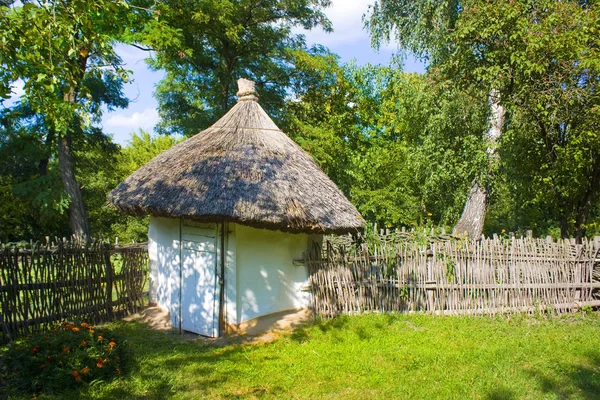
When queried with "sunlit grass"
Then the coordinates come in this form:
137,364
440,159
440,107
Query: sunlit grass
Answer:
371,357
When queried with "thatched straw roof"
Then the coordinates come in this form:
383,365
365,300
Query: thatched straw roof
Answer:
242,169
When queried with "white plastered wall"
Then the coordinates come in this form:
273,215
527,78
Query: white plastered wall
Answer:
267,279
163,249
260,275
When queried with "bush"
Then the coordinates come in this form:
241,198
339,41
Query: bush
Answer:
69,355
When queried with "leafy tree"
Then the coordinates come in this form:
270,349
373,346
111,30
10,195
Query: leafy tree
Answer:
31,195
425,153
401,147
542,58
323,116
218,41
63,52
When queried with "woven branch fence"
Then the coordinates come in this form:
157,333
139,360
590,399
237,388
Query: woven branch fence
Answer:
453,276
96,282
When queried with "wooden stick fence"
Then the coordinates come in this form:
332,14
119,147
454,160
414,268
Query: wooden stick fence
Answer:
455,276
94,282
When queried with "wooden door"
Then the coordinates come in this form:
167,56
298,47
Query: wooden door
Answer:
199,289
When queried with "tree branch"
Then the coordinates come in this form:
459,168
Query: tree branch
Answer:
141,48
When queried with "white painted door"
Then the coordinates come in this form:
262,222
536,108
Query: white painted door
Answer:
200,289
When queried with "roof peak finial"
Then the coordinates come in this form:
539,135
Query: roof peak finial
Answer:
246,90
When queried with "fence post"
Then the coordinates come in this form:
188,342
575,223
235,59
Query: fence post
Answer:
109,281
430,283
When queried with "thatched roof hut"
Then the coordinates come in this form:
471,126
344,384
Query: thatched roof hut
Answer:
242,169
233,210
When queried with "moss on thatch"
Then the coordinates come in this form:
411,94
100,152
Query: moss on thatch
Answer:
242,169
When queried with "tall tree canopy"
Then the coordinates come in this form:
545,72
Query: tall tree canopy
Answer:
218,41
543,58
402,148
63,53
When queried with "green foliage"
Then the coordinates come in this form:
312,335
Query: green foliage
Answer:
67,78
70,355
543,59
32,199
214,43
402,147
63,53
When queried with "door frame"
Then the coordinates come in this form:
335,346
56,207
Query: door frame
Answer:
220,254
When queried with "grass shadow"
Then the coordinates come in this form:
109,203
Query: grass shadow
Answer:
581,380
501,393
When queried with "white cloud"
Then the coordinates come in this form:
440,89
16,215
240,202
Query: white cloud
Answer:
145,119
348,27
17,89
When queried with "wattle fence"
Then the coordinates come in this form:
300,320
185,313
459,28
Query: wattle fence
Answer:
43,284
398,273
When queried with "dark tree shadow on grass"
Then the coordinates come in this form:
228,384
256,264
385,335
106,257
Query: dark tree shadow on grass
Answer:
573,380
501,393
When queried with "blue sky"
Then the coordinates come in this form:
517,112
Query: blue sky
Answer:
349,40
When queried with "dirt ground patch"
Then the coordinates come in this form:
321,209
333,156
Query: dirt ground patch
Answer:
259,330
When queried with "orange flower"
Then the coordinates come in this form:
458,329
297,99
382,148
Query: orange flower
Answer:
91,330
118,371
66,349
117,358
84,325
35,349
99,362
83,343
100,338
43,366
85,370
75,329
78,379
99,365
112,344
48,358
75,373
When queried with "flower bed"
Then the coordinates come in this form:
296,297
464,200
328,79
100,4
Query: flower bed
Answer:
70,354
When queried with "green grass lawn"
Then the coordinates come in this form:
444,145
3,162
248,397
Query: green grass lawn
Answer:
374,357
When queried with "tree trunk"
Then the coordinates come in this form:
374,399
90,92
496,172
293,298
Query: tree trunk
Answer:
473,215
80,225
564,227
